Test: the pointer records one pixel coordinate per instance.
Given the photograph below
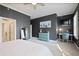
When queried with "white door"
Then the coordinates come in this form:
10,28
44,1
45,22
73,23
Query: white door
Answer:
7,30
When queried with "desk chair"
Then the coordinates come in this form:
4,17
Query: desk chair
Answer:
65,36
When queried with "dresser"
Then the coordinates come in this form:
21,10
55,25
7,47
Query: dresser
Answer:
44,36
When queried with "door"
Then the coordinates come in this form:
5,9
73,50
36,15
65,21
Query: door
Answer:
12,30
7,29
6,32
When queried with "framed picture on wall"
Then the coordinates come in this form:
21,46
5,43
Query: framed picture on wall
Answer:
45,24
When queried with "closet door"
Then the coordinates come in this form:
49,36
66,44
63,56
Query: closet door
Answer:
12,30
6,31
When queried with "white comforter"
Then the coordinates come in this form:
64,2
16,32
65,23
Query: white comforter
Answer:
23,48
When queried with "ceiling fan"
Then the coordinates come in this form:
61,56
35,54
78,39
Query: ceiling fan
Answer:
35,5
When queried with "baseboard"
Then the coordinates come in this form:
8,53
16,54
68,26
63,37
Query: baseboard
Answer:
76,45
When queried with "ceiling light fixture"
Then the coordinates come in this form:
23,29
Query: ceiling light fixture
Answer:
34,4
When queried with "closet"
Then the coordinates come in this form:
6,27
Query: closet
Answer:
7,29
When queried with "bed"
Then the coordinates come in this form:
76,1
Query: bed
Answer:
23,48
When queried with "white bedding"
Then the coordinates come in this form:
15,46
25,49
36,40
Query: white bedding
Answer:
23,48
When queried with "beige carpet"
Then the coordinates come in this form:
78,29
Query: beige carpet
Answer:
52,45
59,48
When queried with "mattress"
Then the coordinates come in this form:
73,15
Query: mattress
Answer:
23,48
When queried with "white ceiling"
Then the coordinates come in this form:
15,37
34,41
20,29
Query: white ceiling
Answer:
49,8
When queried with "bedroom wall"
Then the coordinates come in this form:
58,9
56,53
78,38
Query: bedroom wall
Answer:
22,20
61,19
36,26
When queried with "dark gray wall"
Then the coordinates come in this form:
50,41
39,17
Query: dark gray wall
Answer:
22,20
36,26
62,19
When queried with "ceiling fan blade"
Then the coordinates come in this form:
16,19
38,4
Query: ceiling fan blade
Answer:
27,3
36,5
42,4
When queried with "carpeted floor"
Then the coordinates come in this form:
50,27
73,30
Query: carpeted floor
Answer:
59,48
52,45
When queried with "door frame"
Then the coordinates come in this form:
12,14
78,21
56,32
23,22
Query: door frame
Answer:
2,20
